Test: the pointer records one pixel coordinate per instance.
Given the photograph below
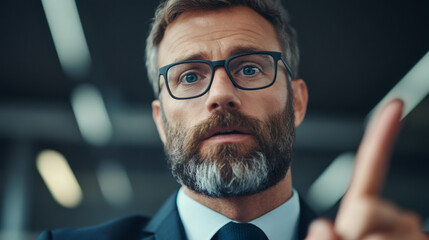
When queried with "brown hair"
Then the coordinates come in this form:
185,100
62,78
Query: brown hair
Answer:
169,10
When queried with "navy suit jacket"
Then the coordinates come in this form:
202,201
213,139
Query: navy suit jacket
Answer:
165,225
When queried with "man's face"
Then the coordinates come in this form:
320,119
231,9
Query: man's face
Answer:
227,132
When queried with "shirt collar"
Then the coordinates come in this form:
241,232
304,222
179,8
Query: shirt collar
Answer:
201,223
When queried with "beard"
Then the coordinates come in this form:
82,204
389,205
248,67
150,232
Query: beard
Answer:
232,169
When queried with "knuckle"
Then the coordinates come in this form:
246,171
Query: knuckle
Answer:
411,220
356,218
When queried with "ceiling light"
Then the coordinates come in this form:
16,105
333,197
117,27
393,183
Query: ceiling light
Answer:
91,114
412,88
330,186
59,178
114,183
68,36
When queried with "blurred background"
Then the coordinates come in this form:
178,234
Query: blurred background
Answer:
77,141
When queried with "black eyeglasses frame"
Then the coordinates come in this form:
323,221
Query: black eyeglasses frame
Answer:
162,71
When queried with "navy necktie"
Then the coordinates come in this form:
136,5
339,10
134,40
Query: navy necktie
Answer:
239,231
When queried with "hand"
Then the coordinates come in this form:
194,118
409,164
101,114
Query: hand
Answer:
362,213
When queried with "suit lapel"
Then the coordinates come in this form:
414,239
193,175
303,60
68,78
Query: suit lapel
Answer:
166,224
306,216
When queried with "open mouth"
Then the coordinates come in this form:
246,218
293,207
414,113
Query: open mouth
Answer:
227,134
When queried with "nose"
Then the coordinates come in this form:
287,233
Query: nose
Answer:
223,95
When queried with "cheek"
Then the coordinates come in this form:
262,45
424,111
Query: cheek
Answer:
174,113
274,103
181,112
279,95
271,101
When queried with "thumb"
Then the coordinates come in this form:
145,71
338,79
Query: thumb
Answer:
322,229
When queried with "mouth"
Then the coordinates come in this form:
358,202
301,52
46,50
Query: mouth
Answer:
226,135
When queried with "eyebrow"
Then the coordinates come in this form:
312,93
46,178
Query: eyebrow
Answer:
233,52
244,49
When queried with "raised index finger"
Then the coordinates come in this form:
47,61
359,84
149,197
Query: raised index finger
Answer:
372,158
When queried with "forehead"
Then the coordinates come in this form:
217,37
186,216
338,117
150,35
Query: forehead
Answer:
216,34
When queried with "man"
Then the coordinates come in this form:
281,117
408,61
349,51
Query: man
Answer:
227,107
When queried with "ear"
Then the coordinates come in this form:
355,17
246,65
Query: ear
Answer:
157,117
300,100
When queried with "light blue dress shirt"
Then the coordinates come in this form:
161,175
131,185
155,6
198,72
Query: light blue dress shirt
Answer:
201,223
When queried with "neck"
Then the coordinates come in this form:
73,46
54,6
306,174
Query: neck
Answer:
247,208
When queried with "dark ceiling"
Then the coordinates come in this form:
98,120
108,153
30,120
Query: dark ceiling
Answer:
352,54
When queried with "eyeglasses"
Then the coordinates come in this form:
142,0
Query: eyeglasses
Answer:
247,71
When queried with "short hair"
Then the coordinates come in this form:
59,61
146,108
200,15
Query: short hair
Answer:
169,10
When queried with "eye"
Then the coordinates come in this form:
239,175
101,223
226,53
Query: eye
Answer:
190,78
249,70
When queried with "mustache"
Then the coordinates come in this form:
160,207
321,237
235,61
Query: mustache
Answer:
224,119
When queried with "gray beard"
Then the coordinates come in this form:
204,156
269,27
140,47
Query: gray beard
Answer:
207,176
227,172
247,176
